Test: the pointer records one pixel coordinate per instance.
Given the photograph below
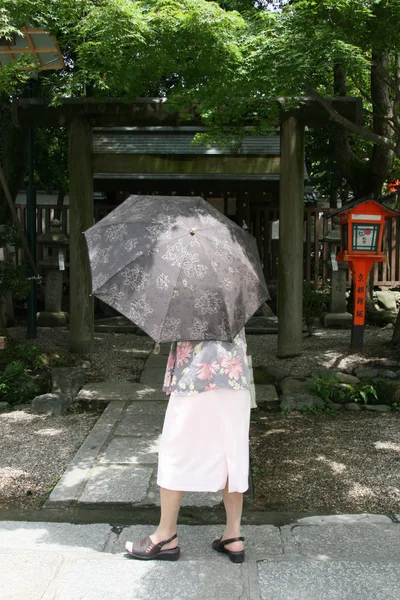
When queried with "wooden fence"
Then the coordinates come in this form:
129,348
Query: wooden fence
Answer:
264,227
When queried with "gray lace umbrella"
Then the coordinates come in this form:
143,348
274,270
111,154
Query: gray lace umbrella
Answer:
176,267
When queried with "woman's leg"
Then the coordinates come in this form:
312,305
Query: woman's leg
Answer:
233,506
170,505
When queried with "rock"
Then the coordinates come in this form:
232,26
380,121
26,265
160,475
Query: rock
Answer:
366,373
346,378
352,406
387,374
295,401
295,385
387,300
377,407
388,363
51,404
324,374
269,374
334,405
68,380
4,407
267,397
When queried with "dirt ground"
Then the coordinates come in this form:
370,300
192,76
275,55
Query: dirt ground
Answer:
312,463
345,463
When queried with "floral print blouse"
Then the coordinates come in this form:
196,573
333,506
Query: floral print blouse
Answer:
195,367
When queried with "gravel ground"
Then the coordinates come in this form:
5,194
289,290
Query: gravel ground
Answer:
326,349
349,463
346,463
113,357
35,450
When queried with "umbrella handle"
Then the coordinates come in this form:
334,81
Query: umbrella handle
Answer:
157,348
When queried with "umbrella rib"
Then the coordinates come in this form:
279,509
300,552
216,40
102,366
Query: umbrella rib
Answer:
206,253
177,279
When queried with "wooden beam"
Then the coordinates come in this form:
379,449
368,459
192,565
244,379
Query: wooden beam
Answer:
81,218
185,164
291,216
108,112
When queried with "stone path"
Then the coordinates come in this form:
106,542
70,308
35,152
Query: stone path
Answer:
117,463
349,557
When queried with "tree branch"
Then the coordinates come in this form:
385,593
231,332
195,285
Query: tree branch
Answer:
365,133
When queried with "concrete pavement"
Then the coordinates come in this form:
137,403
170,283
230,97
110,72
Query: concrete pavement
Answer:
318,558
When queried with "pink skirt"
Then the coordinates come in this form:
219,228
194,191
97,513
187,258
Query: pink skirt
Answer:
205,442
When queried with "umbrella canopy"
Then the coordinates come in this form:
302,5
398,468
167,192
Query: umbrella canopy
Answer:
176,267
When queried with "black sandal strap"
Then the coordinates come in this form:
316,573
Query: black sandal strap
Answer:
161,544
236,539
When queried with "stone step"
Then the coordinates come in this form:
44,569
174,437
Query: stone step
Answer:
108,391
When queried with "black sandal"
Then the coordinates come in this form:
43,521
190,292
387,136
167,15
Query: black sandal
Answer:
148,550
219,546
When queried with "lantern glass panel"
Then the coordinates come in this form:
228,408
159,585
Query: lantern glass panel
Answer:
365,237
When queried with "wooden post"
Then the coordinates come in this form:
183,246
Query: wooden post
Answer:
81,218
291,215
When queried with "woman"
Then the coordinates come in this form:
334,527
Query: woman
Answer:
205,441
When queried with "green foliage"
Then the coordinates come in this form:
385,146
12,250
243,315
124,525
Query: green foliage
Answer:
326,388
22,352
315,302
16,384
362,392
13,278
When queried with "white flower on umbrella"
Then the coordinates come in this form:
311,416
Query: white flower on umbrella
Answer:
130,244
156,331
192,267
172,327
208,303
116,233
100,257
176,254
162,281
194,241
161,228
99,280
207,219
227,284
136,277
175,294
140,311
215,266
198,329
223,250
113,296
92,237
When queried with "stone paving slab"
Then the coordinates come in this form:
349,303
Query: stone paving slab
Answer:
195,540
132,450
142,418
138,580
24,577
73,478
349,541
325,580
124,391
154,376
54,536
156,361
117,484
